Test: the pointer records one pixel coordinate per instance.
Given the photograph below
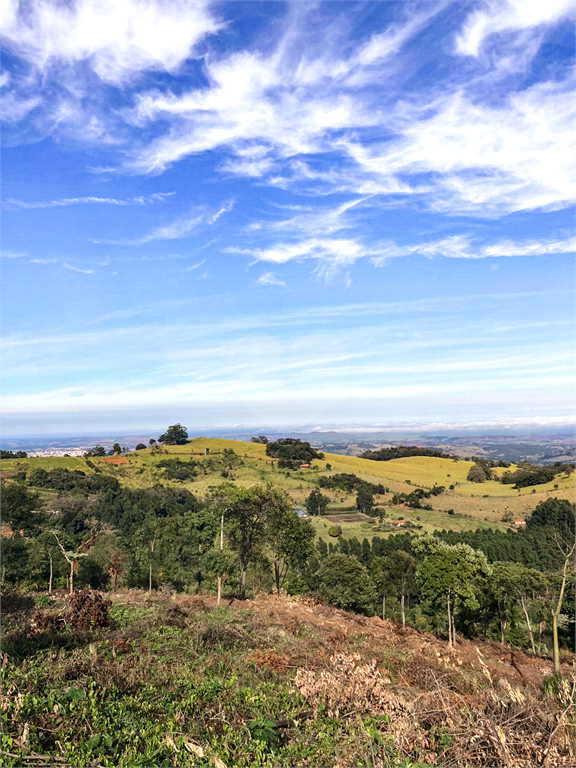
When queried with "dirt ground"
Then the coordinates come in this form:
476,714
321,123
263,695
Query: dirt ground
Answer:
485,658
352,518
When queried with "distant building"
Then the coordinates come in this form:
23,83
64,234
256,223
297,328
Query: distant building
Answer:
304,466
519,523
301,513
398,523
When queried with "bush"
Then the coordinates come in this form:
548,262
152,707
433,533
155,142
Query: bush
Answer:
347,481
178,470
334,530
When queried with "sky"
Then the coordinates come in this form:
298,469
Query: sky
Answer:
269,213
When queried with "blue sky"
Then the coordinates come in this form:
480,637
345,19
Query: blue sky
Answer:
285,214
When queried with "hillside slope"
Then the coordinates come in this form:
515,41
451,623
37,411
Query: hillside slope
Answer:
271,681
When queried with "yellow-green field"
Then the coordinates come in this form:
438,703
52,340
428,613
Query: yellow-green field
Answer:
474,504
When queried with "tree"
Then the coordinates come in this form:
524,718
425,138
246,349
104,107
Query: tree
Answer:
109,555
290,538
450,575
140,447
346,583
98,450
46,541
20,508
502,588
476,474
364,500
245,523
116,448
73,556
554,513
174,435
394,575
292,451
221,562
567,568
316,503
152,442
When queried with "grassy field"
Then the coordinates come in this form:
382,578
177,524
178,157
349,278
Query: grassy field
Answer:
474,505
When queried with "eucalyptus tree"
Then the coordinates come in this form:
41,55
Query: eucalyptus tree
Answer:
394,576
450,575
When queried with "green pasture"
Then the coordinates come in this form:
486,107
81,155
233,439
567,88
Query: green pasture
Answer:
47,463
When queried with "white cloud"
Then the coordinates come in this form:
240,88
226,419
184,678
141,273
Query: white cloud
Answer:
264,108
117,39
63,202
451,150
530,247
195,266
15,108
269,278
333,251
488,160
78,269
180,227
318,111
505,15
12,255
461,247
315,220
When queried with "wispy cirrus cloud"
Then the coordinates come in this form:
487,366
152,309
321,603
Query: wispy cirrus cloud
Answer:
316,93
508,16
451,150
12,255
78,269
334,251
179,227
269,278
478,159
195,266
263,109
66,201
462,247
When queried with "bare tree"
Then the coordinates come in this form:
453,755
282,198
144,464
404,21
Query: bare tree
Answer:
568,561
73,556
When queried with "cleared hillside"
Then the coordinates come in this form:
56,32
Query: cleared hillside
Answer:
177,680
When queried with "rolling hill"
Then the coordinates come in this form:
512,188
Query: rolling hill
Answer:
465,507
